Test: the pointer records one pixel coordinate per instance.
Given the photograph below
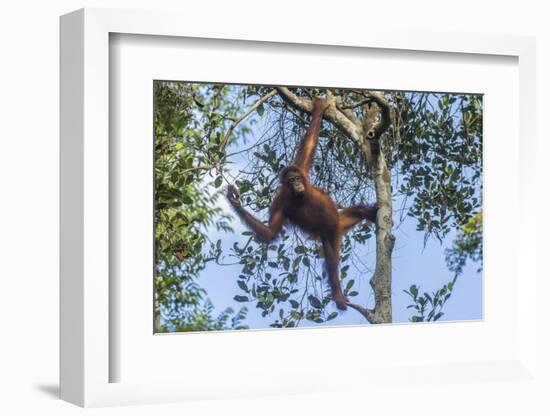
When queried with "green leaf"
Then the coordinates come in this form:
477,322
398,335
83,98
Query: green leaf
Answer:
242,285
260,110
294,304
218,182
332,316
295,314
315,302
300,249
239,298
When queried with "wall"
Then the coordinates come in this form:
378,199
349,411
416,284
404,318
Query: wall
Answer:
29,172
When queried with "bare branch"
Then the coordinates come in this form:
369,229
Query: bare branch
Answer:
245,115
332,114
346,111
357,104
367,313
294,100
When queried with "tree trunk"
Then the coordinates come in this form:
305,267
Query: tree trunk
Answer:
381,279
376,121
382,276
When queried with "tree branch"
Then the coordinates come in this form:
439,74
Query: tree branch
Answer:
375,130
357,104
332,114
245,115
345,110
367,313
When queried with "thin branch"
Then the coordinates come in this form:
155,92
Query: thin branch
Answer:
245,115
357,104
258,143
367,313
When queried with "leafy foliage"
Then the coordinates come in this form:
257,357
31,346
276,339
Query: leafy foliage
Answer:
204,320
429,307
468,245
439,158
189,126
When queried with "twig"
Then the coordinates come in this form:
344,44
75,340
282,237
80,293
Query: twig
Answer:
367,313
357,104
245,115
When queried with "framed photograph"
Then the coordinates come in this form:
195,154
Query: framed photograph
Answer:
286,213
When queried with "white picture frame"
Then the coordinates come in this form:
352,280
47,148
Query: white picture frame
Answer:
85,165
